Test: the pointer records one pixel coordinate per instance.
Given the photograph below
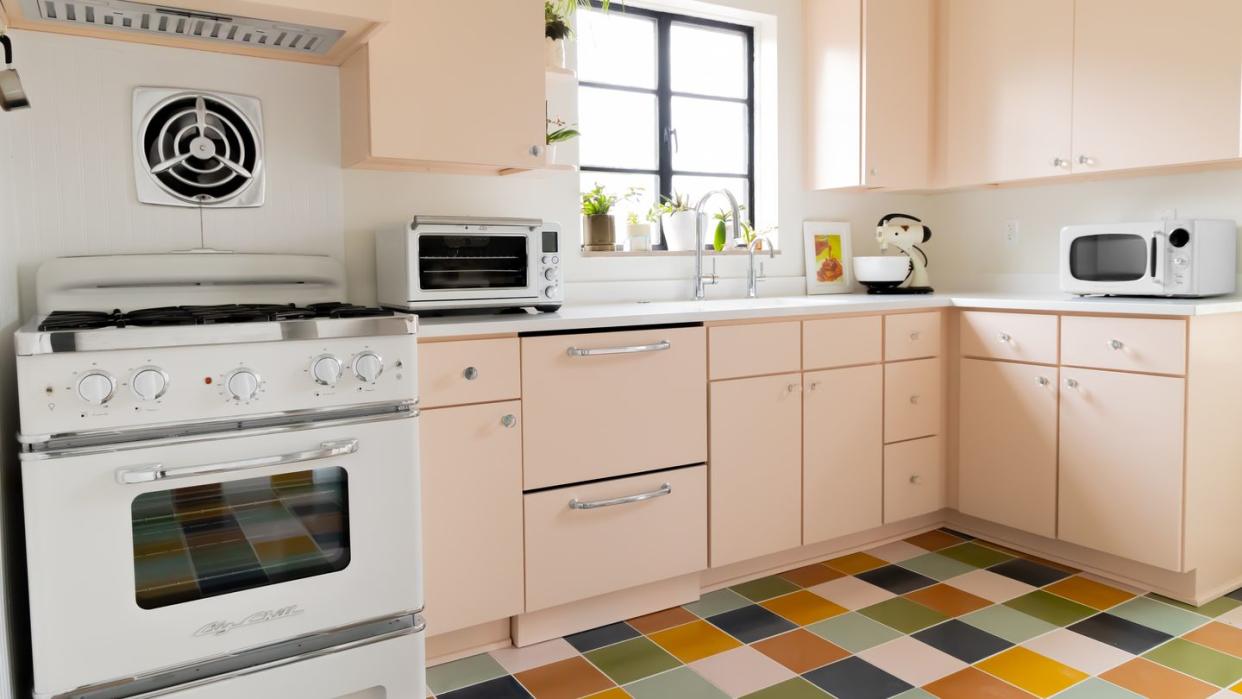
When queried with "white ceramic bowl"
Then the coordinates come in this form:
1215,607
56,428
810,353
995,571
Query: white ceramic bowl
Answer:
893,268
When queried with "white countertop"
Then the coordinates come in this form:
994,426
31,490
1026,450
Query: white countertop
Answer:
587,316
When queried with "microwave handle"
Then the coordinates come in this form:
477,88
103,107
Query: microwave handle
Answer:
1157,257
158,472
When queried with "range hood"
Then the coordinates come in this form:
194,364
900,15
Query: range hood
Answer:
315,31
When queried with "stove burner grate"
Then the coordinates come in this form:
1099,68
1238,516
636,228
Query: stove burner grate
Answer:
204,315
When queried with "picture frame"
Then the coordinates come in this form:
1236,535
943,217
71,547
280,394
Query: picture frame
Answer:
829,257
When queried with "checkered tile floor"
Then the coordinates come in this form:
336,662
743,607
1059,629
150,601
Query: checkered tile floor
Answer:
937,615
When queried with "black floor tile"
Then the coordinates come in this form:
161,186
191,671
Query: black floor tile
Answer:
958,534
896,579
962,641
855,678
1029,572
1236,594
1120,633
752,623
500,688
603,636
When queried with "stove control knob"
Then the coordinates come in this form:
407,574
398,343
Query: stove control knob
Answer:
327,370
96,387
149,383
243,384
368,366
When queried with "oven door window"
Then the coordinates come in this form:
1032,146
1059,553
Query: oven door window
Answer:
449,262
209,540
1111,257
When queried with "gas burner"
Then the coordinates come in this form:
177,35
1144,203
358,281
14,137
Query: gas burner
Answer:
79,320
205,315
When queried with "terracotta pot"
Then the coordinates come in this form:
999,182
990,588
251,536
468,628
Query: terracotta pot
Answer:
599,233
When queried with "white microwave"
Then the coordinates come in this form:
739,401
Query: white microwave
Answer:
437,263
1160,258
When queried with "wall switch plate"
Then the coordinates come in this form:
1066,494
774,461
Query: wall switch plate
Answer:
1013,231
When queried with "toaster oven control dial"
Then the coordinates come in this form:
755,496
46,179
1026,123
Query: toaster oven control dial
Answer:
550,275
368,366
149,383
327,370
96,387
243,384
550,292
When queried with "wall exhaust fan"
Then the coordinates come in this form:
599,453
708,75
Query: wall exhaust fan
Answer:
198,149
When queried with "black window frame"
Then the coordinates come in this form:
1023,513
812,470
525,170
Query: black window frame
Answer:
664,94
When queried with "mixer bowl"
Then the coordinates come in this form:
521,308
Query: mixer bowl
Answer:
889,270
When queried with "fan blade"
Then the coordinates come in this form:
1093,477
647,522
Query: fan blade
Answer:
235,167
170,163
200,113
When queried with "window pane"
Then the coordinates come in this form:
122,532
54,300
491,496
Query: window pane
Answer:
708,61
616,48
711,135
208,540
619,184
696,187
618,129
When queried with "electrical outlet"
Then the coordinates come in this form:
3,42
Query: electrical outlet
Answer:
1013,231
1168,214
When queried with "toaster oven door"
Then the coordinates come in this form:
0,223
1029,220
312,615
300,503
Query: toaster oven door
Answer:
1123,260
474,267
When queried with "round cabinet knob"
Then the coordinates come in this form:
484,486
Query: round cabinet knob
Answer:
96,387
1117,344
1061,163
470,373
550,275
327,370
1043,381
509,420
1086,160
243,384
914,400
368,366
149,383
914,480
914,336
791,387
1006,337
1071,383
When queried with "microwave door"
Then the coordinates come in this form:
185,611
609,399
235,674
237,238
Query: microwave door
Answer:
1118,263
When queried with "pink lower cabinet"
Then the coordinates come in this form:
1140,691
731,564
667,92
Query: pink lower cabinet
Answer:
1007,453
914,479
1122,438
842,452
756,467
472,514
913,404
588,540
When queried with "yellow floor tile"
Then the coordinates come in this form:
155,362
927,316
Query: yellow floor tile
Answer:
1089,592
855,563
694,641
803,608
1031,671
614,693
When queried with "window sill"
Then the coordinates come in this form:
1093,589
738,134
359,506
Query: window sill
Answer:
735,252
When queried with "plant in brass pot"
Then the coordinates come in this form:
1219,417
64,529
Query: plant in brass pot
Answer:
599,226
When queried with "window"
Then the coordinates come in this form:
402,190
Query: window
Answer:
666,104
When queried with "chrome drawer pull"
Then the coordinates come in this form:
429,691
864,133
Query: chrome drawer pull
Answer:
635,349
159,472
576,504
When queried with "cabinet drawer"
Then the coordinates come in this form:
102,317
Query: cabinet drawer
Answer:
838,342
1128,344
911,336
912,400
621,542
636,403
1019,337
470,371
913,479
754,350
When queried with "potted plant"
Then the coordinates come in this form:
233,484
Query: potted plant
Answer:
559,132
639,232
723,218
678,220
599,226
557,15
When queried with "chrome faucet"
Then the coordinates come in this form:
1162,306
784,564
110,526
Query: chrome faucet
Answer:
699,280
752,280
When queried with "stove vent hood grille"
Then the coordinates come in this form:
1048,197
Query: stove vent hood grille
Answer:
171,22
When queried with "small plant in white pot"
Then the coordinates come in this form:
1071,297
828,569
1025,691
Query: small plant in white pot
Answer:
556,30
599,226
638,231
678,220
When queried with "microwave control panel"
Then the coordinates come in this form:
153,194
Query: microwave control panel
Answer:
1179,254
549,284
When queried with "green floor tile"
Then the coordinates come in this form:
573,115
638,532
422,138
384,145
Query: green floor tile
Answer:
682,683
1009,624
915,693
717,602
937,567
1051,608
854,632
903,615
1213,609
973,554
1096,688
1158,615
463,673
1198,661
632,660
797,688
764,588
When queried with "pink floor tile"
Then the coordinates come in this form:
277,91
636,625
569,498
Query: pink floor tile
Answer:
1078,651
912,660
741,671
852,593
990,586
897,552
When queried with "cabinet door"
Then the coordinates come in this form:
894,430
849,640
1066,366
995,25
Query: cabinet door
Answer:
1006,91
472,514
1156,82
914,479
897,110
842,452
912,400
755,465
1121,464
459,82
1007,461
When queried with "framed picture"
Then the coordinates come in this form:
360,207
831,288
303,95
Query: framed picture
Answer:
829,259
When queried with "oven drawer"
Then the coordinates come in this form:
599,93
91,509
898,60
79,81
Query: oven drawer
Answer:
911,336
1017,337
1126,344
616,535
600,405
469,371
755,350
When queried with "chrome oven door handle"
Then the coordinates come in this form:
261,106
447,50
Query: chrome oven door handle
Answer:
634,349
663,490
158,472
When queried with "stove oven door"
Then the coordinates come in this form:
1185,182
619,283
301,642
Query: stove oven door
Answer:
148,558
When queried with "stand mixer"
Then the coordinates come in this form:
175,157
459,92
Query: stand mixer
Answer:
886,275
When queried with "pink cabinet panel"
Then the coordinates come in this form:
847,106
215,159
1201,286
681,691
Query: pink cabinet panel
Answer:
472,514
837,342
911,336
914,479
754,350
469,371
600,405
1019,337
842,451
588,540
1126,344
913,403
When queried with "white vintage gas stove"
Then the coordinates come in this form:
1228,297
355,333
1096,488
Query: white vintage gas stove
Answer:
221,492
